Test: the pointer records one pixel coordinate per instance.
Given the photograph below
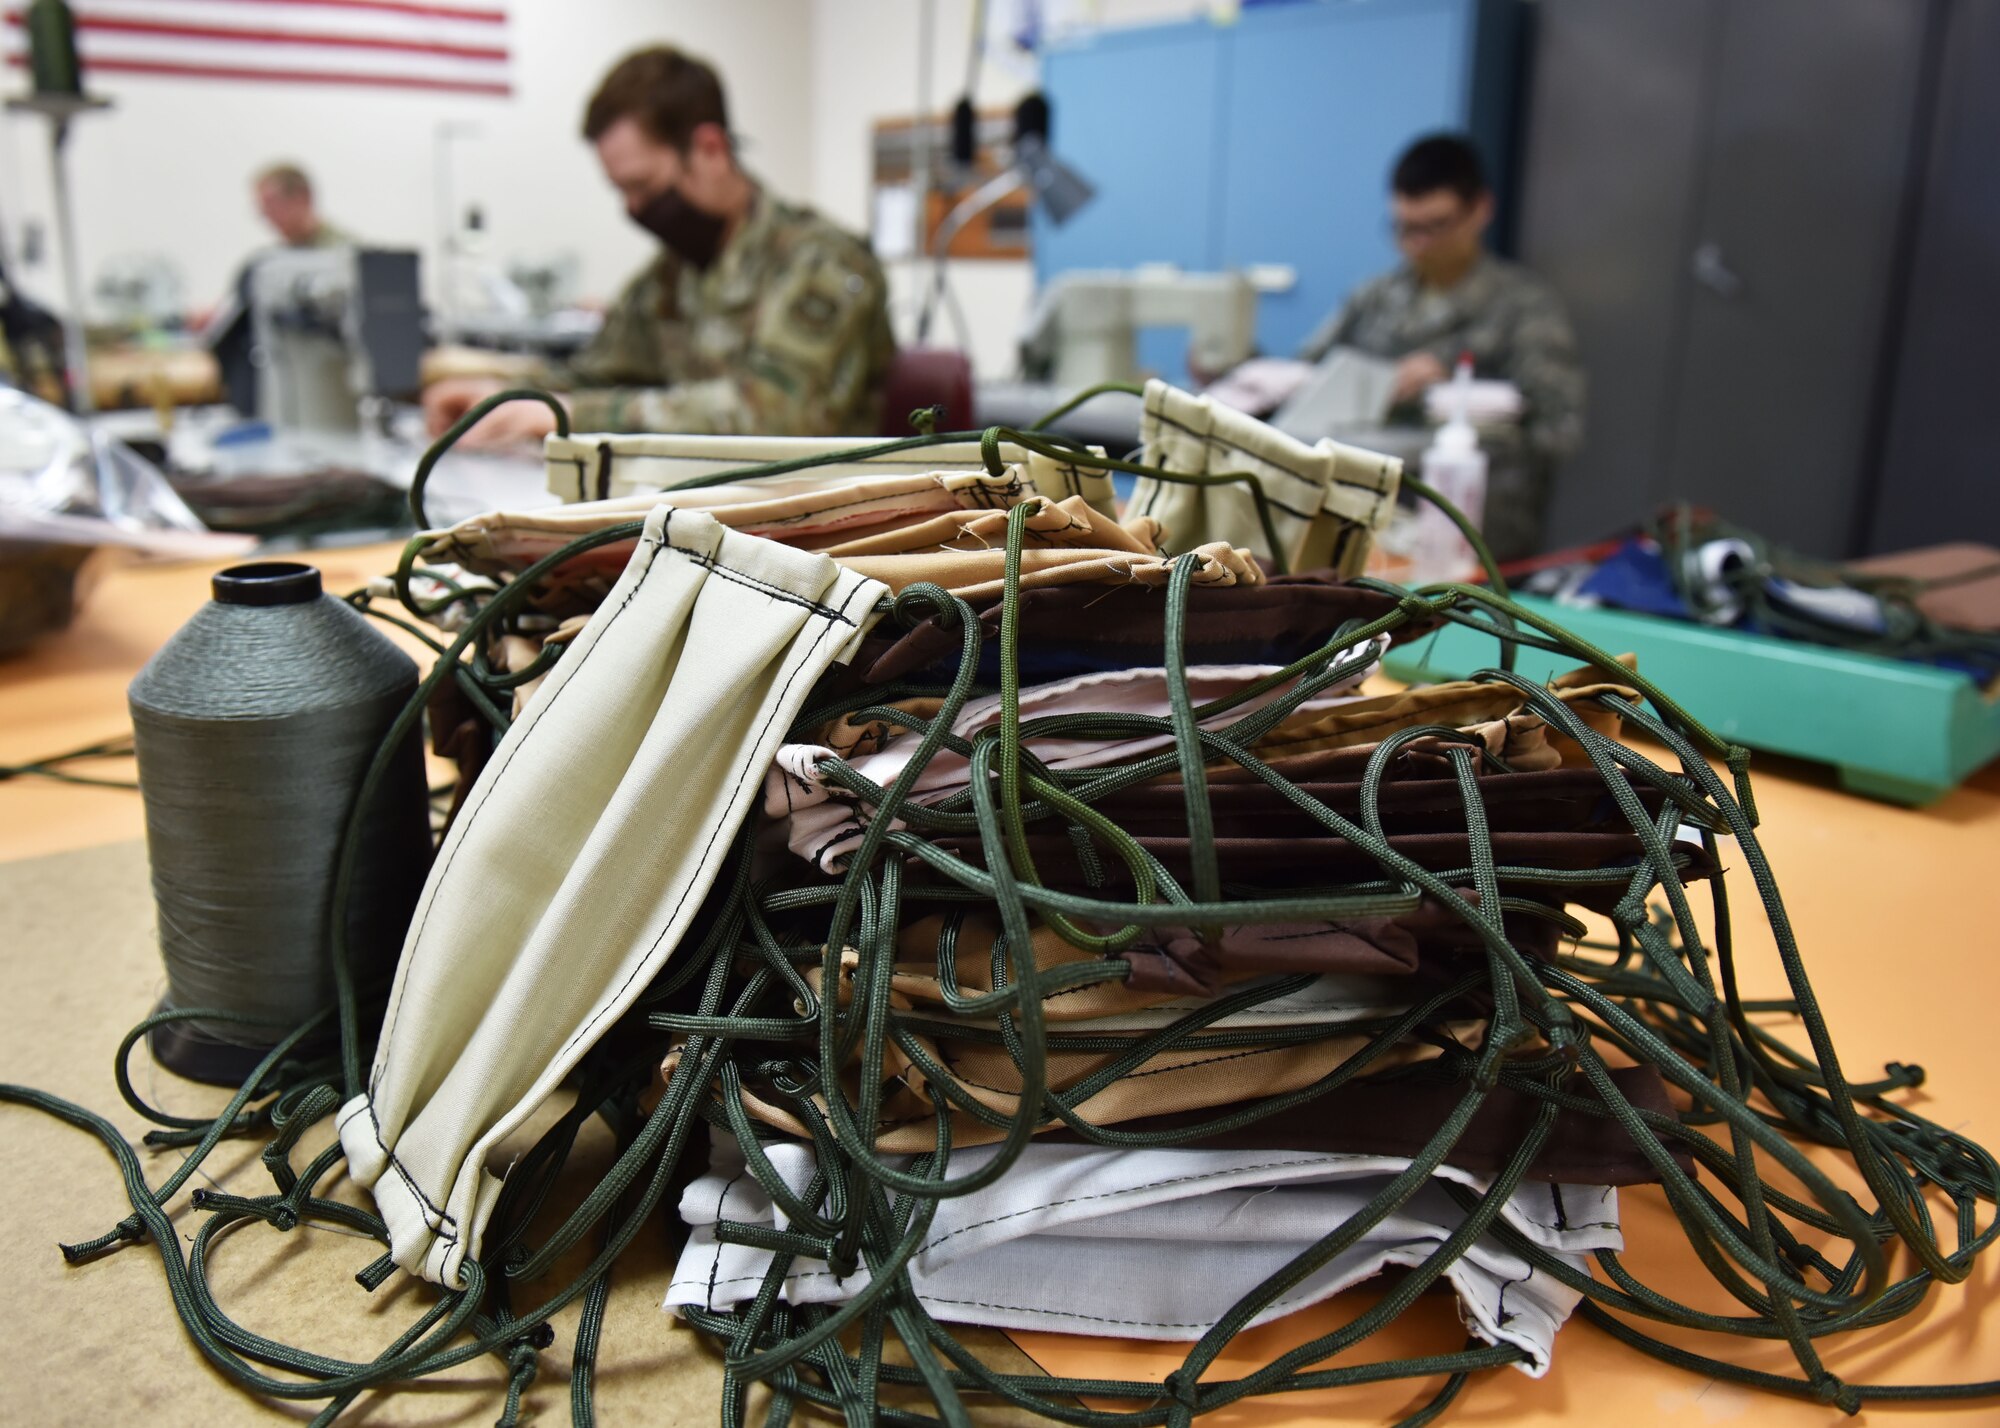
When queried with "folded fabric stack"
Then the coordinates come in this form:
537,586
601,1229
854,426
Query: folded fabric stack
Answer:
1042,929
1196,1022
1361,1020
976,908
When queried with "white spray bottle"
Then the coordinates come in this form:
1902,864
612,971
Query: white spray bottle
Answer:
1455,468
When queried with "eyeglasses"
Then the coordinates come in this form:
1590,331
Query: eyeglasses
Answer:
1424,229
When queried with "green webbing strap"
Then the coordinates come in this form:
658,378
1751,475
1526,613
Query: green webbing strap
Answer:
425,465
738,1013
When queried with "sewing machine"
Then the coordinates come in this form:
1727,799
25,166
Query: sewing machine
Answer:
1084,326
334,334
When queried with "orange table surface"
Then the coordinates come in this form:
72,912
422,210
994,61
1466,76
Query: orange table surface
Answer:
1897,912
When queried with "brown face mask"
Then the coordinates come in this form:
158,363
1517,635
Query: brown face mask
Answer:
690,234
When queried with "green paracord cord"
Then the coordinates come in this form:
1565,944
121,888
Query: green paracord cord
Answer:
729,1007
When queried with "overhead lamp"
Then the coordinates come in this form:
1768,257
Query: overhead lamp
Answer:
1054,187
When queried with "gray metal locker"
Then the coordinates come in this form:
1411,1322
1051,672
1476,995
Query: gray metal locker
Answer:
1939,478
1717,189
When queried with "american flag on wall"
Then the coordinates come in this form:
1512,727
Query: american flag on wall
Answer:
458,46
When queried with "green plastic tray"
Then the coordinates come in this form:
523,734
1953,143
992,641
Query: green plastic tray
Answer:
1897,731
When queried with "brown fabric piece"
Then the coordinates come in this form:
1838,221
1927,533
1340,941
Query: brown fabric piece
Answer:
1072,522
1424,760
980,575
1179,1080
899,530
1398,1115
517,652
851,737
1227,624
459,732
1545,801
1459,704
1422,943
1415,948
1179,962
1280,864
1174,1083
806,512
1554,819
915,975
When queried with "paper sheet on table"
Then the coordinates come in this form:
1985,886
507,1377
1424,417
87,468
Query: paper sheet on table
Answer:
1261,385
1347,389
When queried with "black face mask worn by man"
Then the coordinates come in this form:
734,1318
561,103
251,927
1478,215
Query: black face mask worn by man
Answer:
694,236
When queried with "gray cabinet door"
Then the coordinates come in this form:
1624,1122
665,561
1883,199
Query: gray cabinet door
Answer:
1793,257
1940,480
1612,170
1718,190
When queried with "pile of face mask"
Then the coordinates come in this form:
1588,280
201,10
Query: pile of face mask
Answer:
1215,1099
972,908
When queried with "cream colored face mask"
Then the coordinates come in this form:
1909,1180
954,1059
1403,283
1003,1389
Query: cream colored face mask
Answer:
582,855
1325,502
594,468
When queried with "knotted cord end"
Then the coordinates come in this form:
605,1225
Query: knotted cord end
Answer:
1828,1389
130,1230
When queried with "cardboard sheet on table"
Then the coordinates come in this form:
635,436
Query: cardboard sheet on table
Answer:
100,1343
1972,602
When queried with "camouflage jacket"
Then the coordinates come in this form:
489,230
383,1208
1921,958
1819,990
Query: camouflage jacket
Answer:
1508,319
785,334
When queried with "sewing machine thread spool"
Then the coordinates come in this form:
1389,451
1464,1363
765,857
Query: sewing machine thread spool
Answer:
254,727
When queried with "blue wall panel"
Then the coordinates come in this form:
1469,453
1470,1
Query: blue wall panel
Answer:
1319,100
1135,112
1264,141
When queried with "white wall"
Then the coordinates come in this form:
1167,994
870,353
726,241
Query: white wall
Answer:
168,169
864,69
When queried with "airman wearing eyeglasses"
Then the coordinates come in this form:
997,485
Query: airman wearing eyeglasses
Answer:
1451,296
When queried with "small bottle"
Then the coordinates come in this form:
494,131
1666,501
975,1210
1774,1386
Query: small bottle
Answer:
1455,468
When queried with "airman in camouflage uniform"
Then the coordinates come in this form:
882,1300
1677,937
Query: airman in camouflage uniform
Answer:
285,197
1514,326
1451,296
786,333
1511,322
758,317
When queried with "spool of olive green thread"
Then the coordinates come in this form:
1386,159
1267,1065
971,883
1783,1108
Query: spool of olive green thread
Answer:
254,728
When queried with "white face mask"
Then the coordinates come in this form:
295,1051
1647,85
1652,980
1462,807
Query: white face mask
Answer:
1160,1244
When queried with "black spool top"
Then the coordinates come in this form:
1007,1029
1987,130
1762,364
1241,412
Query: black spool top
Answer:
266,582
